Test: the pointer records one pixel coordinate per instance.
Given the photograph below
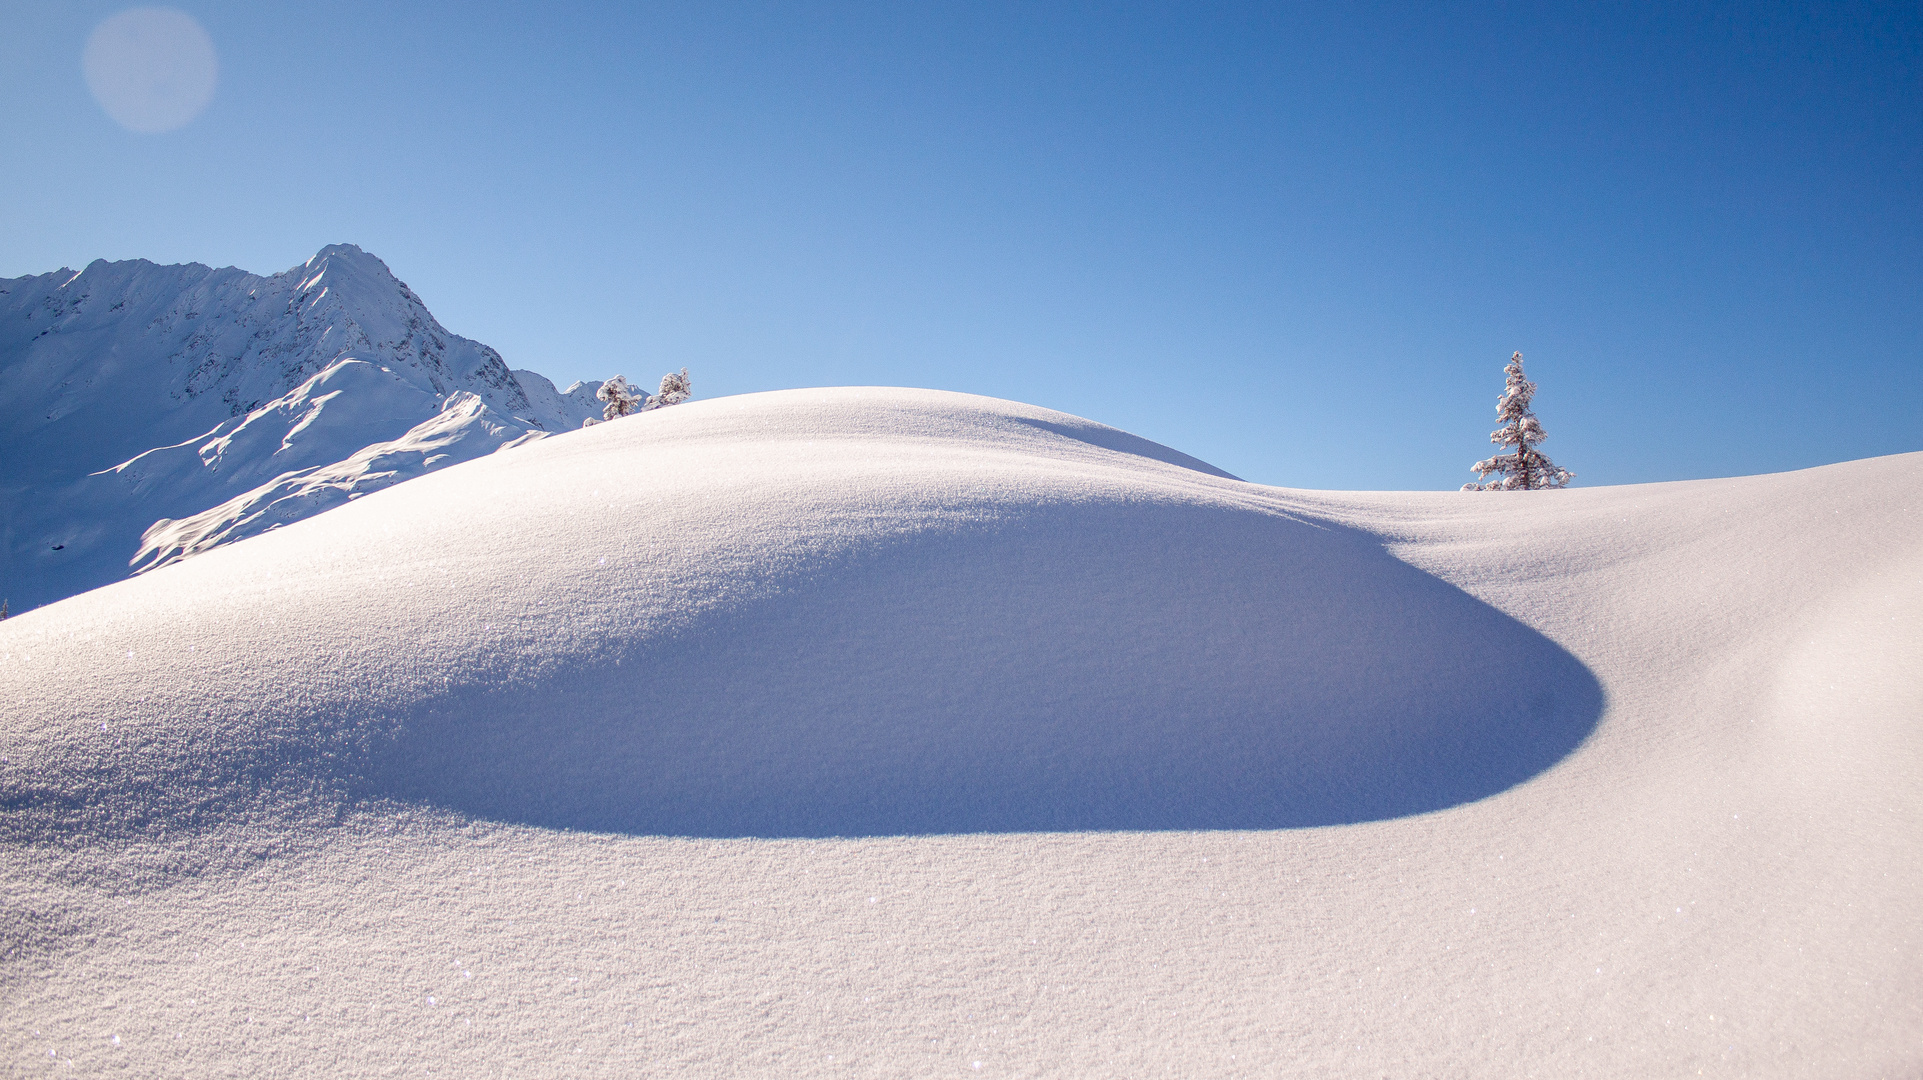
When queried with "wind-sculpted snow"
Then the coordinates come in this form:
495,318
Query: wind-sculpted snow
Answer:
1046,663
918,735
917,730
133,396
807,614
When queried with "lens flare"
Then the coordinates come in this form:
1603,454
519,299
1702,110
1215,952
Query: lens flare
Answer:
151,68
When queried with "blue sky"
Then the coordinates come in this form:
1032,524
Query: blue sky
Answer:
1298,241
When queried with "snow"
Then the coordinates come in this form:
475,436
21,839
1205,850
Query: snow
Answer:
464,428
921,730
133,394
560,410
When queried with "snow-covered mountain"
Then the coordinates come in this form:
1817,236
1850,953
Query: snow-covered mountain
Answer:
149,412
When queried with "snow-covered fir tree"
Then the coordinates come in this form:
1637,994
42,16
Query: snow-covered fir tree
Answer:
1524,469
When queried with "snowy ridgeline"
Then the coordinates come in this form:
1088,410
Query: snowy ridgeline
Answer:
148,412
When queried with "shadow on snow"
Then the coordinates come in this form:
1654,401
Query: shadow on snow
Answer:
1131,666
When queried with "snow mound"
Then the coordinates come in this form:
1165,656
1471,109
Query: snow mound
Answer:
824,612
245,799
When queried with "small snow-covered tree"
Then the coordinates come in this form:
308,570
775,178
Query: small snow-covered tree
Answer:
675,389
1524,469
620,397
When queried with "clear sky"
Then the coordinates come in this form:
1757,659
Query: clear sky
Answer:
1298,241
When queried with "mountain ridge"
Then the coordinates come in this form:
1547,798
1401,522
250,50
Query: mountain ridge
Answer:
134,394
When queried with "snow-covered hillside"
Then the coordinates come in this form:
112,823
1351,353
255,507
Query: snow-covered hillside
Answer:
905,733
133,394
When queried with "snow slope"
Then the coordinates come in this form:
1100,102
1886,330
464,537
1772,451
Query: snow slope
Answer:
901,732
132,393
464,428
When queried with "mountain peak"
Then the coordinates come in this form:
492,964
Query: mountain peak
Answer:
177,367
343,251
338,263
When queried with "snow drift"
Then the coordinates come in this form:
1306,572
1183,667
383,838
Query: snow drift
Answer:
918,731
815,614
